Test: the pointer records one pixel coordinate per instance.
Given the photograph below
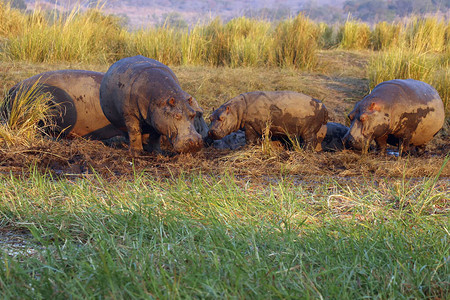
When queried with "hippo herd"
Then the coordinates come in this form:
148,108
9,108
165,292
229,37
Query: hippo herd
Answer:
141,99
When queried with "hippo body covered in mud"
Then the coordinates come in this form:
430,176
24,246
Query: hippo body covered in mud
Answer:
397,112
288,115
143,97
74,96
329,138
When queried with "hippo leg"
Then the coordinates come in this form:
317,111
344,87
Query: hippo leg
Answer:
382,144
310,141
251,136
135,135
403,146
419,150
151,142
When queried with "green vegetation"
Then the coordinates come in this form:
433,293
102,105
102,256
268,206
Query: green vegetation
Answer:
224,237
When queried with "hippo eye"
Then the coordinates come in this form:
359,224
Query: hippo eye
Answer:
178,116
221,118
350,117
363,118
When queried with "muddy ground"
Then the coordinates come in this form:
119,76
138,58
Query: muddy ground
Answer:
340,82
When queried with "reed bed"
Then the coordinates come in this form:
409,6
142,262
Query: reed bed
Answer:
413,48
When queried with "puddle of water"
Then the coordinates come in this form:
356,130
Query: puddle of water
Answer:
392,153
16,243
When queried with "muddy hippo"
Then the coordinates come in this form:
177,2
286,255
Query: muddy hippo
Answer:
142,96
330,137
76,94
397,112
289,115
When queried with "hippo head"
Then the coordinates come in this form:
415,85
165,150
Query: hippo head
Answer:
175,120
223,122
369,121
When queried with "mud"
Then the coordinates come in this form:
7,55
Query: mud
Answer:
80,157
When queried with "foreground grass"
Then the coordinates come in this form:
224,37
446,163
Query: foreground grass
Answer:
225,236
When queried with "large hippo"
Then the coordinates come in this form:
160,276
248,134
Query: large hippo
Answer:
143,97
399,112
289,115
76,95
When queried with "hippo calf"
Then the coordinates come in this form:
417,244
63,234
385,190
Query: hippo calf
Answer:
330,137
143,97
75,97
397,112
289,115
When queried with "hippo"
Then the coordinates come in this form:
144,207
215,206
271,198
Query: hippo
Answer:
289,114
76,95
399,112
330,137
142,96
232,141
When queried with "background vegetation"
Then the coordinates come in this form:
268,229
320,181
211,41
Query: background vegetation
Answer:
416,48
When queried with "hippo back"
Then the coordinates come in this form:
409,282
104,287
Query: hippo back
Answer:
413,106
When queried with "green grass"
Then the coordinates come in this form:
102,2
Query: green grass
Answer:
225,237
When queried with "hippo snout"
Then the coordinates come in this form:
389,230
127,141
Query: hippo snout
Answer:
350,142
214,135
190,144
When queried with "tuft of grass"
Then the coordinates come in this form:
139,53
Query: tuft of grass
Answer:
251,42
12,21
295,43
328,38
161,43
354,35
83,37
386,35
426,34
25,115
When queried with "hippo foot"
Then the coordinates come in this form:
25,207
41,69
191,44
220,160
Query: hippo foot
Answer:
137,152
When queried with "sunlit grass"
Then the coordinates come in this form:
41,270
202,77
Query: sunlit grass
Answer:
208,236
24,115
354,35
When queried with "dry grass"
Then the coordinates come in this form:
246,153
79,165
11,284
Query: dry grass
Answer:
25,116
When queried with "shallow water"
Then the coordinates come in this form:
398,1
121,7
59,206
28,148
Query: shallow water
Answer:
16,243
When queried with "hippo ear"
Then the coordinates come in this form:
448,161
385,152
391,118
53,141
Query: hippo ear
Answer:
227,110
171,102
374,106
190,101
351,116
